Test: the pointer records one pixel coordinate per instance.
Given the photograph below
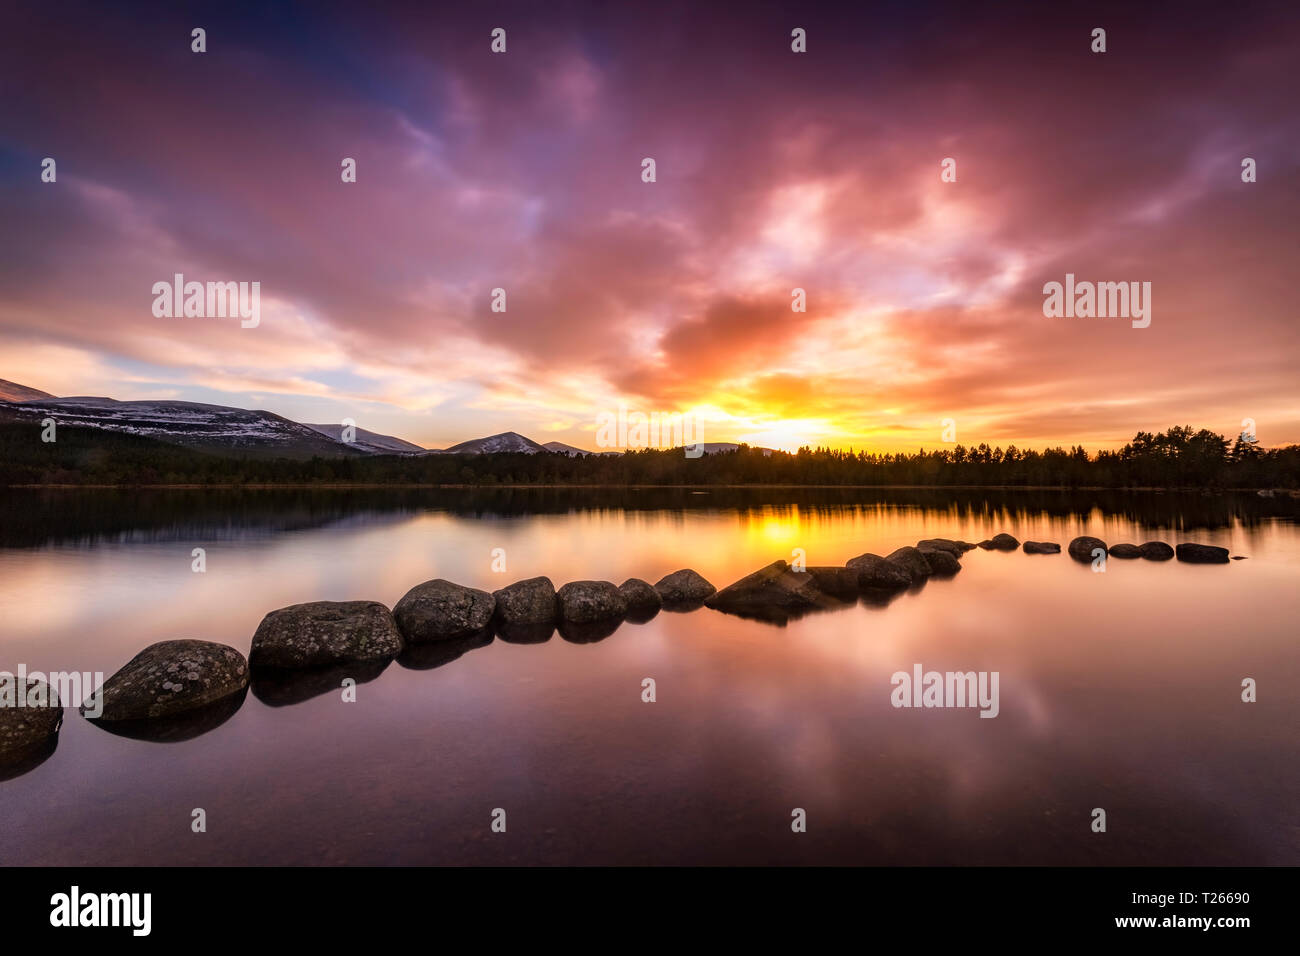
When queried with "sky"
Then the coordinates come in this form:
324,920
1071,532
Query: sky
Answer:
774,170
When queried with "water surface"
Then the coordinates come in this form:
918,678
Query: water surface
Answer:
1118,690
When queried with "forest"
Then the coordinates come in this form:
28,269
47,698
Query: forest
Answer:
1179,458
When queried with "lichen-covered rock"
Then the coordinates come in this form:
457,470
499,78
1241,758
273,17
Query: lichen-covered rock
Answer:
1156,551
30,716
583,602
878,574
1082,547
1124,551
774,592
439,610
531,601
912,561
325,633
643,601
955,548
942,563
1041,547
168,679
1202,554
841,583
684,589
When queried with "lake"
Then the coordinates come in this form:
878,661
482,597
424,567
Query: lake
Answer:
1118,690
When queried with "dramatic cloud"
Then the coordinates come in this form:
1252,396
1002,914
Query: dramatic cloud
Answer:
775,171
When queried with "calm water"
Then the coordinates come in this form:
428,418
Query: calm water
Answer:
1118,690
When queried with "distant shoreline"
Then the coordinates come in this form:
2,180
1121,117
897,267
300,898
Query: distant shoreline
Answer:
379,486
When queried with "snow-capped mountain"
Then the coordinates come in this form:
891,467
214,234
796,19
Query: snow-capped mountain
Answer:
222,428
372,442
566,449
191,424
13,392
496,445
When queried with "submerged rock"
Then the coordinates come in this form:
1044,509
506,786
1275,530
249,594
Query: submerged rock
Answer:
643,601
684,589
582,602
325,633
1001,542
1202,554
183,726
837,582
524,633
531,601
942,563
912,561
1125,551
1156,551
588,632
439,610
424,657
1081,548
280,687
28,733
168,679
878,574
1041,547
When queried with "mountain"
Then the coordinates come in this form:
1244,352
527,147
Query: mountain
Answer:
224,429
216,428
569,450
13,392
372,442
496,445
721,447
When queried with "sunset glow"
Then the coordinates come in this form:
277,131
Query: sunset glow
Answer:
775,172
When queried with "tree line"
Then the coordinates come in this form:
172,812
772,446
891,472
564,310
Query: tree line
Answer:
1177,458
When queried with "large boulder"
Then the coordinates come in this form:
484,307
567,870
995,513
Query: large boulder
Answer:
325,633
1041,547
583,602
1124,551
1081,548
531,601
841,583
27,732
643,601
773,593
684,589
1202,554
439,610
912,561
878,574
168,679
955,548
1156,551
942,563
